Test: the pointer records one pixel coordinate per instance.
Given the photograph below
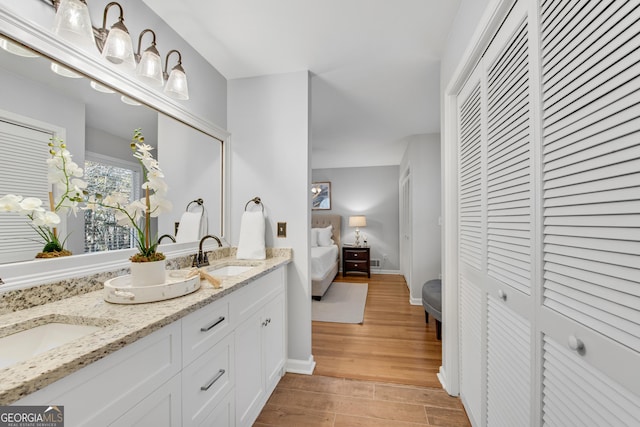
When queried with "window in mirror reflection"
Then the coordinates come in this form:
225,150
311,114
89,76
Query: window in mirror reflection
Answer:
104,176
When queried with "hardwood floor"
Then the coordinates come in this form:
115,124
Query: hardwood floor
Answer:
379,373
392,345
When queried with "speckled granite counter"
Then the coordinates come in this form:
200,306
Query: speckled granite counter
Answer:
120,325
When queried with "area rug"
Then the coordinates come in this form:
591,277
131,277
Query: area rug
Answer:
342,303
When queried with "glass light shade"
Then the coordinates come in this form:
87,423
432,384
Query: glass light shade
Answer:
16,49
358,221
177,85
100,88
72,23
64,71
129,101
149,68
118,48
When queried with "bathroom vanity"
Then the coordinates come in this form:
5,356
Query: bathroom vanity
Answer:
210,358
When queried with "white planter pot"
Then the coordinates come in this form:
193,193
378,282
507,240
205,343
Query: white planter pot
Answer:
148,273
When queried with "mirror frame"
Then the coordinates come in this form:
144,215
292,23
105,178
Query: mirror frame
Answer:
31,273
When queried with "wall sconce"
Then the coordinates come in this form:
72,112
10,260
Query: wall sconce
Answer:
149,67
72,22
357,221
177,81
115,44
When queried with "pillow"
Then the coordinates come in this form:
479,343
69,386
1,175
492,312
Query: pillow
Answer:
324,236
314,237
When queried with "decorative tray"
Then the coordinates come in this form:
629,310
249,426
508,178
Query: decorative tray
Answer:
177,283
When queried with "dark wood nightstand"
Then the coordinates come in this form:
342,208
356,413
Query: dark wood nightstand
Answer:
356,259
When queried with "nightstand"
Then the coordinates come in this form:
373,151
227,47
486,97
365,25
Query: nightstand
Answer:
356,259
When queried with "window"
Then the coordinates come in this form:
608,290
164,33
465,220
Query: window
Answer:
105,175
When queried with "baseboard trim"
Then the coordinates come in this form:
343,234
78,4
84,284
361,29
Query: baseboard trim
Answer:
415,301
442,377
305,367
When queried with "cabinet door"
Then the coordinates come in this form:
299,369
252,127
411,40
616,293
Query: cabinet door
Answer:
161,408
249,368
274,341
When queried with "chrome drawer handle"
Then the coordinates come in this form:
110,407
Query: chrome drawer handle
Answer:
355,255
208,385
212,325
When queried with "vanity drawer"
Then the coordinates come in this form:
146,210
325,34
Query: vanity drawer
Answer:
206,382
202,329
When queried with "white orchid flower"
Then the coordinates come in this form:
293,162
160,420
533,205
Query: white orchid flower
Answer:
10,203
45,219
31,204
159,205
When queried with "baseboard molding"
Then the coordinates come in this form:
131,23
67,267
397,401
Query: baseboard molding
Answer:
373,271
415,301
297,366
442,377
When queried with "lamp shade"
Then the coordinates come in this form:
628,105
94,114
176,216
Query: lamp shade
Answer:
118,47
358,221
149,68
72,23
176,86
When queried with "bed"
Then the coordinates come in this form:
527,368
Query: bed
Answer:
325,258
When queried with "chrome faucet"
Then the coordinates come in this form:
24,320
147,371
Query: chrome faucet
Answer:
167,235
201,258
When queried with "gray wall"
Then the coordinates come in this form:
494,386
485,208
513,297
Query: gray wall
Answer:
373,192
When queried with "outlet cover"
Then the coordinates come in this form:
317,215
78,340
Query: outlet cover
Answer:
282,229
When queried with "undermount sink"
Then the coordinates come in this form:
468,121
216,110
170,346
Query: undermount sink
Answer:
28,343
229,270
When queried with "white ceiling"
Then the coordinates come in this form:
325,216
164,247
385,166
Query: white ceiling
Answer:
374,63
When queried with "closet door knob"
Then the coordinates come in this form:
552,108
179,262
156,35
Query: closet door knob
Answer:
502,295
576,344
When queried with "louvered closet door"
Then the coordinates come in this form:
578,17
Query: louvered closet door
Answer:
510,221
23,169
591,167
471,246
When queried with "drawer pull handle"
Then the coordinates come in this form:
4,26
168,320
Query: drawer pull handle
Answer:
208,385
212,325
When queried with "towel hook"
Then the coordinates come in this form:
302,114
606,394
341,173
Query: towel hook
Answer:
255,200
200,202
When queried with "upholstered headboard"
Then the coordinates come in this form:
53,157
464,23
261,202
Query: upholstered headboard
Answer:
324,220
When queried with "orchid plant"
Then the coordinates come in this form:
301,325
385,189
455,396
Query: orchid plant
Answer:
65,195
139,211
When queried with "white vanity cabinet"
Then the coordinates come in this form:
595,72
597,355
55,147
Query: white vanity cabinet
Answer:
105,391
215,367
260,344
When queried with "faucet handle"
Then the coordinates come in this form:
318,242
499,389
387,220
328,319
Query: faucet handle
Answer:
196,261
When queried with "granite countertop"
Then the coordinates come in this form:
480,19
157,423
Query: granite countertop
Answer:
120,325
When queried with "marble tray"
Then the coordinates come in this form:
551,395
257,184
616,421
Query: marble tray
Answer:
120,291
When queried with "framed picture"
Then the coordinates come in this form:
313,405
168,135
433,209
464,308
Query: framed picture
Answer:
321,195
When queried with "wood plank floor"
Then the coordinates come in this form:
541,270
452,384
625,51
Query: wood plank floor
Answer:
379,373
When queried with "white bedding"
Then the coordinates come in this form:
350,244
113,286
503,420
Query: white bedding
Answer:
323,258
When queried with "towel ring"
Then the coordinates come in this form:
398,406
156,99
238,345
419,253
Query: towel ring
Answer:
200,203
255,200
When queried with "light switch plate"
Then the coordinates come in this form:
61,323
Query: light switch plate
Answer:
282,229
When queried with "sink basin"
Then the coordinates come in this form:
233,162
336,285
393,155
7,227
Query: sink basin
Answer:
26,344
229,270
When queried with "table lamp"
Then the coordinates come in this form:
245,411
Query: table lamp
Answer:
357,221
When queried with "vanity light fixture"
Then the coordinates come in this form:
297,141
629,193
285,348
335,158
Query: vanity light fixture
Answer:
16,49
176,86
149,67
129,101
72,22
115,44
101,88
64,71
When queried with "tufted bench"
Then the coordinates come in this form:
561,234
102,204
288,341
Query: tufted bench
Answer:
432,303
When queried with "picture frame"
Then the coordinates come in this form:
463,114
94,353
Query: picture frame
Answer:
320,196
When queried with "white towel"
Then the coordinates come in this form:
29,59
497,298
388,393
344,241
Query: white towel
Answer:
189,228
252,230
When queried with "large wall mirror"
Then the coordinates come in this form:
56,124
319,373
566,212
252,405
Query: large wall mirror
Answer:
97,126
